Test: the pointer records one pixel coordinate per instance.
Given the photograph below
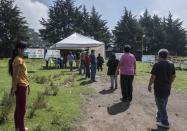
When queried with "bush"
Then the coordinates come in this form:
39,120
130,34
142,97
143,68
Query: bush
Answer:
39,103
38,128
56,120
55,90
47,91
7,105
52,89
41,79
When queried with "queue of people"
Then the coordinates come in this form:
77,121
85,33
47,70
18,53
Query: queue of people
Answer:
162,76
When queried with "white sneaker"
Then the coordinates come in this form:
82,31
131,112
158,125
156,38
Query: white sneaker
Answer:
160,124
26,129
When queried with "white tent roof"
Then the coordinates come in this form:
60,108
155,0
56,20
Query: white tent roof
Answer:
76,41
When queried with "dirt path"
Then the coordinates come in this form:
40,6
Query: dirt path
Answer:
103,111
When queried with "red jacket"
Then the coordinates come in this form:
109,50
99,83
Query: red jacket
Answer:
87,60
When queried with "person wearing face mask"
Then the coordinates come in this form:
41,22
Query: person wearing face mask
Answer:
20,84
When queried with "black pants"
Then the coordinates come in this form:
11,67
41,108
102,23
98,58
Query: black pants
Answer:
100,67
87,68
126,86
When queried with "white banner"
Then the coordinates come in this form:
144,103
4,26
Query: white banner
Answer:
118,55
35,53
148,58
53,54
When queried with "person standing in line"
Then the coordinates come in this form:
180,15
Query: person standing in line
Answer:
70,59
93,65
20,84
87,65
82,64
127,67
61,62
112,66
162,75
77,56
65,60
100,62
46,59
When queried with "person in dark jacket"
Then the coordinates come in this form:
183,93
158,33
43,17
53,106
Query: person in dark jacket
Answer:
112,66
93,61
82,64
162,76
100,61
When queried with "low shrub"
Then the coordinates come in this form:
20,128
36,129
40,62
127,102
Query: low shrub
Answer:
7,105
41,79
39,103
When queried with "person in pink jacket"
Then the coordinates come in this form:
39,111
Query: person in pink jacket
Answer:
127,68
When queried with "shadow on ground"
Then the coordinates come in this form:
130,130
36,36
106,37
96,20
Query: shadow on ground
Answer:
31,72
86,82
118,108
109,91
81,79
158,129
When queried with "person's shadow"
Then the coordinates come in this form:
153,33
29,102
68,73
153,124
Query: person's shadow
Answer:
109,91
83,83
81,79
158,129
118,108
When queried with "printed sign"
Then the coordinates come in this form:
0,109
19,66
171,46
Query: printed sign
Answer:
118,55
34,53
52,54
148,58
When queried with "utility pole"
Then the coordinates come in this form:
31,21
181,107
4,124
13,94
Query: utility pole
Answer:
143,36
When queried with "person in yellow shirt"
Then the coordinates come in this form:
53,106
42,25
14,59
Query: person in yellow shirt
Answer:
20,84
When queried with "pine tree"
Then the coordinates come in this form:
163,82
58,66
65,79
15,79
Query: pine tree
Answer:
12,26
61,22
128,31
157,36
176,35
98,28
86,22
146,22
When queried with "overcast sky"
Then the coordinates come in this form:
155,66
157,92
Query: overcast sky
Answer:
111,10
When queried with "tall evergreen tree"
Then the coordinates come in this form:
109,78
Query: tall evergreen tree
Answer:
61,21
128,31
78,21
65,18
98,28
86,22
146,22
157,36
12,26
175,35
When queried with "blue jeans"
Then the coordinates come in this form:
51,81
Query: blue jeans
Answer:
93,72
82,67
162,111
114,81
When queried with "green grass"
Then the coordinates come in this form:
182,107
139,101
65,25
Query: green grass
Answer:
143,75
66,105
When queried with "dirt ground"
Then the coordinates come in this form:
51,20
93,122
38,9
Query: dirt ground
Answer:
103,110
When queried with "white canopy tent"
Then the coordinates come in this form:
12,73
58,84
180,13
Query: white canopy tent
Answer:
76,41
79,42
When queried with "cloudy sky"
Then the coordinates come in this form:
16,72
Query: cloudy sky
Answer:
111,10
